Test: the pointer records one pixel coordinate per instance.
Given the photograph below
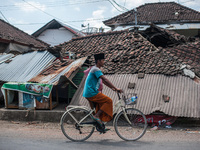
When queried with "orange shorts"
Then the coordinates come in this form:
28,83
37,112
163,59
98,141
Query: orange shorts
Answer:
103,103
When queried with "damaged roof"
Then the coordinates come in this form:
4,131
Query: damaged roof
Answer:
157,72
22,68
157,13
9,33
58,70
4,57
163,37
128,52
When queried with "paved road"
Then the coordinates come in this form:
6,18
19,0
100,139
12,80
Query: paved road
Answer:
48,136
107,144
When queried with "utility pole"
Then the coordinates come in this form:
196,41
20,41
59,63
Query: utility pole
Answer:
136,26
88,27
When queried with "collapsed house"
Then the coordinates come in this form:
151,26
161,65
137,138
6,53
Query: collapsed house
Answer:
65,78
165,79
32,80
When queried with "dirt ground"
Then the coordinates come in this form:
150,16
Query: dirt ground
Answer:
41,130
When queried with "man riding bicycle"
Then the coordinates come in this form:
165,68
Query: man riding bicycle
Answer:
104,104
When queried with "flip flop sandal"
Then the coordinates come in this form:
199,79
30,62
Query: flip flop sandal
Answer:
106,129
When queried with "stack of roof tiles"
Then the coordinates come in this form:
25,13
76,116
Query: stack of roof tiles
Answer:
156,13
128,52
11,33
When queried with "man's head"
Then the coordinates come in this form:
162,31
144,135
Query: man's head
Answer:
99,59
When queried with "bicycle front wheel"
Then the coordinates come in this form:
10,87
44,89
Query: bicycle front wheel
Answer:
71,126
130,125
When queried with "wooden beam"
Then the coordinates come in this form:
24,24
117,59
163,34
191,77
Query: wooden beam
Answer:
57,94
72,83
64,78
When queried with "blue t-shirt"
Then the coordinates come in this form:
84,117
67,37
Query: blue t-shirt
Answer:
92,82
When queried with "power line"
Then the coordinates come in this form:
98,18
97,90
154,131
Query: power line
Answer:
57,4
120,6
89,20
113,3
4,17
63,3
114,6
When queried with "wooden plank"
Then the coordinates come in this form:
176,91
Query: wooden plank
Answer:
12,106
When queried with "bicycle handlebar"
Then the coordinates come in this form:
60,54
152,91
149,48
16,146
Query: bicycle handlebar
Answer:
118,95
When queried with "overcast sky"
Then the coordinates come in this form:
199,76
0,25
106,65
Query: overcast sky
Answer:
31,15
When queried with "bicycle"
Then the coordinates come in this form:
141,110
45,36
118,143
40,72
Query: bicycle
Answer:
129,123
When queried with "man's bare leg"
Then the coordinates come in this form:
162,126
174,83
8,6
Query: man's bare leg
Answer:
97,115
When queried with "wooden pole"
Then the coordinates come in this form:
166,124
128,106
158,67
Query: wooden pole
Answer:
50,101
6,93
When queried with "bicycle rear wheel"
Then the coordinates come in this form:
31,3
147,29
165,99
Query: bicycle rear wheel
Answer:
71,126
133,128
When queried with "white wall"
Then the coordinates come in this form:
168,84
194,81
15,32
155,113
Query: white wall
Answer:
56,36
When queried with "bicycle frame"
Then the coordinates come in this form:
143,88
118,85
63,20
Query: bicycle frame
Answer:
83,107
118,105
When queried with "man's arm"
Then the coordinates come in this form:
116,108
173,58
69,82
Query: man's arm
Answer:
109,84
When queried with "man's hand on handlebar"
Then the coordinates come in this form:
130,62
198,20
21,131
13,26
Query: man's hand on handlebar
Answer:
119,90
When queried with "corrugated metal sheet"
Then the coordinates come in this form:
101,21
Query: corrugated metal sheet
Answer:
184,94
24,67
4,57
54,77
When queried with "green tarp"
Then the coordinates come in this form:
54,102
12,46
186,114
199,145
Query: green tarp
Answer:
30,88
